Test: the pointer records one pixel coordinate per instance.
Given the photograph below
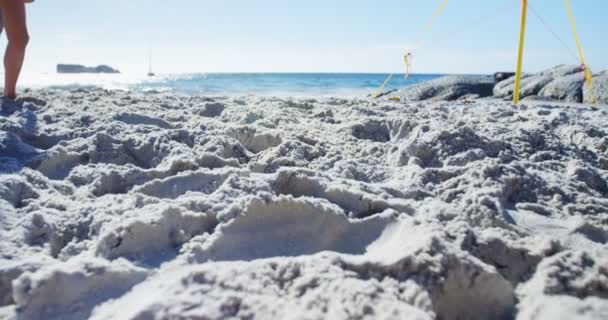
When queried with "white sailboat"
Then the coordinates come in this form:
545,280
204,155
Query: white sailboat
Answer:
150,73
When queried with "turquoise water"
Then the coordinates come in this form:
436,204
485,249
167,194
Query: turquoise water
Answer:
274,84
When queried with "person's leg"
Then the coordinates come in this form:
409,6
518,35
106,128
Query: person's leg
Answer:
13,16
1,22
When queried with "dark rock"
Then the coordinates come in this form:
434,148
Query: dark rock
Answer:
76,68
532,84
448,88
567,89
504,89
600,90
71,68
561,71
502,76
105,69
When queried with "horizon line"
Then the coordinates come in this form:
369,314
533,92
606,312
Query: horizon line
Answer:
270,72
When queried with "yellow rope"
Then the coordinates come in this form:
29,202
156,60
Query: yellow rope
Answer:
381,89
430,23
553,32
408,64
422,31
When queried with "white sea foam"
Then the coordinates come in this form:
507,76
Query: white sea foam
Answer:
107,81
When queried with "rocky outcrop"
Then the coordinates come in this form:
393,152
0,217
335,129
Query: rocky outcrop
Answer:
565,83
599,93
501,76
76,68
561,71
567,89
532,84
448,88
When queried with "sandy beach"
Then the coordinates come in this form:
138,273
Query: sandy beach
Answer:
124,205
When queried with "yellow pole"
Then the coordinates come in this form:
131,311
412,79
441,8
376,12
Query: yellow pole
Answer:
587,71
520,55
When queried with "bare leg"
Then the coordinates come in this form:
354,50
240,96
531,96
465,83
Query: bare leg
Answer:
14,18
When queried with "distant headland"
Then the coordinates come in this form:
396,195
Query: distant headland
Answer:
76,68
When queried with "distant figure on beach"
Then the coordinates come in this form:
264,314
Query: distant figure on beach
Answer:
13,19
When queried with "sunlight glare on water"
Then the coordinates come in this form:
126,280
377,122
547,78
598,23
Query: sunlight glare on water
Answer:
231,84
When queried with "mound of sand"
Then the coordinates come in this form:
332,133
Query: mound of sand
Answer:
118,205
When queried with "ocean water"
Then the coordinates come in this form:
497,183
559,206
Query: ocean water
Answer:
235,84
294,84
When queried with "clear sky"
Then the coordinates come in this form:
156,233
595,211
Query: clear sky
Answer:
471,36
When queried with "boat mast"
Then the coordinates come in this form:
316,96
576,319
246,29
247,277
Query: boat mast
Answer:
149,60
150,73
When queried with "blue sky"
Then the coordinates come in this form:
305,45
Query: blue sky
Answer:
471,36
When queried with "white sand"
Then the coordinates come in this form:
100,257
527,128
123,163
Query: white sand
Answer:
118,205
